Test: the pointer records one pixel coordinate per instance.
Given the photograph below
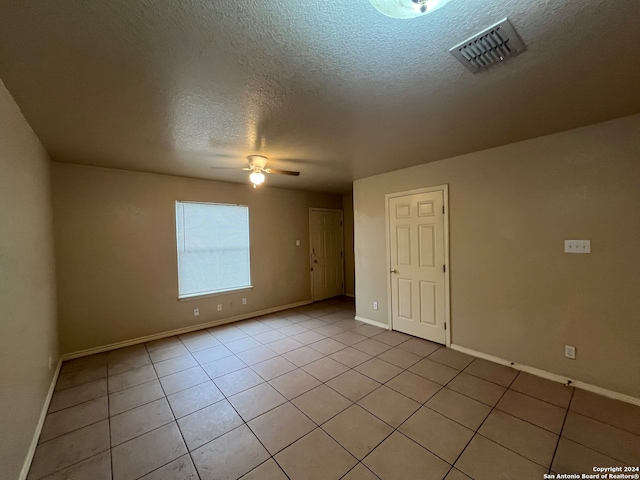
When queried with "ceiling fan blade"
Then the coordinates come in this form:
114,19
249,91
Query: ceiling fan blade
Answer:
248,169
282,172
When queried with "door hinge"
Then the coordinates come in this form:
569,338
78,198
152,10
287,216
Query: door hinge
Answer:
444,268
311,269
341,254
443,209
445,325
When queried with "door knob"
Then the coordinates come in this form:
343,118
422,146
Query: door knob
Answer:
393,270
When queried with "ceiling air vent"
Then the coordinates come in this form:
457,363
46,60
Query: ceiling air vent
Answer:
493,45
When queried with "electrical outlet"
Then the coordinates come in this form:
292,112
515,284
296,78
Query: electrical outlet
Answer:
375,305
196,312
244,301
570,352
219,307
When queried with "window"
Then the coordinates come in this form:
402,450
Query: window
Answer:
213,248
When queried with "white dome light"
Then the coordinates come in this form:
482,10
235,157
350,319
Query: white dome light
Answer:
407,8
256,178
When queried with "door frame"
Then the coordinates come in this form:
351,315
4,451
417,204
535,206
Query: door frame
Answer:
447,302
318,209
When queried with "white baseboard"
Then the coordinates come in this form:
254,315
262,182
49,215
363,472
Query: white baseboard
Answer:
551,376
43,415
180,331
373,322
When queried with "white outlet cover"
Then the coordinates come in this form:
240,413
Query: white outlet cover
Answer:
244,301
577,246
196,312
375,305
219,307
570,352
297,243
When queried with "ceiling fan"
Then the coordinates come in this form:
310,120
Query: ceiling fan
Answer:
258,168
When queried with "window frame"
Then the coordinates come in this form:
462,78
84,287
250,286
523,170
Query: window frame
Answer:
213,293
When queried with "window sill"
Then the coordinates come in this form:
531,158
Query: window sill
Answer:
198,296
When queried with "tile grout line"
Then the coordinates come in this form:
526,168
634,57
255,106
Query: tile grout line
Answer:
394,429
590,447
566,414
175,420
246,423
328,386
109,416
423,404
317,426
75,430
507,388
476,432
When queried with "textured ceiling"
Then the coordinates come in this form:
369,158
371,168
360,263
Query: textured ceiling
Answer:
331,88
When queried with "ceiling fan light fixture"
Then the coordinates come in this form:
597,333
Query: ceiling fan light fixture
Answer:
407,8
257,178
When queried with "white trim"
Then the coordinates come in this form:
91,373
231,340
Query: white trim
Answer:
551,376
198,296
373,322
180,331
447,295
43,415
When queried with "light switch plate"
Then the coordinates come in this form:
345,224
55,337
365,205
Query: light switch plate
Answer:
577,246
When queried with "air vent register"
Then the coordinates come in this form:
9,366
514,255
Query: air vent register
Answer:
493,45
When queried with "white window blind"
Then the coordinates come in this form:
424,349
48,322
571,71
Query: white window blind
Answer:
213,248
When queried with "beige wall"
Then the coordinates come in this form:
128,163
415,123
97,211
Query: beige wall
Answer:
514,293
349,263
27,285
116,250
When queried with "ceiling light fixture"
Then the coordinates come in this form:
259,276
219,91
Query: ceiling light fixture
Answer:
256,177
407,8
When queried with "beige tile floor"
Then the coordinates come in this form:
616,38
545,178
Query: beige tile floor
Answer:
311,393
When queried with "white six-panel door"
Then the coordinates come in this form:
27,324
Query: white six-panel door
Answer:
327,268
417,264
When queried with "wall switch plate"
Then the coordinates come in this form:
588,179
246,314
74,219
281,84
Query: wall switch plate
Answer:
375,305
297,243
219,307
577,246
244,301
570,352
196,312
